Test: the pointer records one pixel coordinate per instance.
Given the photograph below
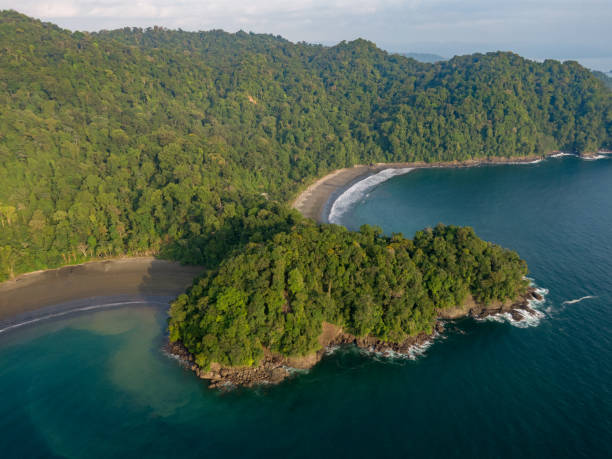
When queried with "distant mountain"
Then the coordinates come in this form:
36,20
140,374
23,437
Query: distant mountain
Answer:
605,78
425,57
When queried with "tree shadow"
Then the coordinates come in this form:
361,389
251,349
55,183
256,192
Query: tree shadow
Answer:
257,224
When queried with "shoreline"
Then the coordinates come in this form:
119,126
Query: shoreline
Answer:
147,275
316,200
36,294
275,368
82,305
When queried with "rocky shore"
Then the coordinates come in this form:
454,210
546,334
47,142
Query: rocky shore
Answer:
515,308
275,368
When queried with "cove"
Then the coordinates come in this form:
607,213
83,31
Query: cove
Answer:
98,385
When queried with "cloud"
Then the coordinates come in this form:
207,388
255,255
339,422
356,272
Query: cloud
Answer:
219,9
397,24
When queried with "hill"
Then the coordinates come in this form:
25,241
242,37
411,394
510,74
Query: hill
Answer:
273,299
173,143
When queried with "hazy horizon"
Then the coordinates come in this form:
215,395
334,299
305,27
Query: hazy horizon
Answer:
561,29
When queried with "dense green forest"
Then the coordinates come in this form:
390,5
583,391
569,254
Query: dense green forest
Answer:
169,142
277,294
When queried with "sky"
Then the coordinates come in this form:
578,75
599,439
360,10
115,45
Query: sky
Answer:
560,29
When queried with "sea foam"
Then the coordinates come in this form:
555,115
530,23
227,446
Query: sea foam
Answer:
359,190
596,157
414,352
71,311
528,318
535,161
578,300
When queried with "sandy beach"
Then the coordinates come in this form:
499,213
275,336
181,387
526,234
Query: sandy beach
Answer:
314,202
142,277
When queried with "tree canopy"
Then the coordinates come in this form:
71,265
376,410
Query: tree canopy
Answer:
138,141
277,293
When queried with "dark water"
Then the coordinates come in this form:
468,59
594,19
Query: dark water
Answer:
96,385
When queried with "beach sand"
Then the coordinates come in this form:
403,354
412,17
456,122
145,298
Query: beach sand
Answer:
124,277
311,202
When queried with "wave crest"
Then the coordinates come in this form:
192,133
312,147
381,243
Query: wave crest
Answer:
578,300
530,317
359,190
596,157
81,309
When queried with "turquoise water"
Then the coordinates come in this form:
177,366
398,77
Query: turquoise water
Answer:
97,385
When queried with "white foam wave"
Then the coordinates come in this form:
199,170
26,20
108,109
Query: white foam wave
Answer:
540,290
359,190
535,161
529,318
415,351
595,157
83,309
331,349
296,371
578,300
599,155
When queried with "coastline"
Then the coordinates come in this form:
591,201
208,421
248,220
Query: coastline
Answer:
150,276
316,200
40,293
48,293
275,368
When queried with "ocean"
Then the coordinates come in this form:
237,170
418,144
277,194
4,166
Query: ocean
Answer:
98,385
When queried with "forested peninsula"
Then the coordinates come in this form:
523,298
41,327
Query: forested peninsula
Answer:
283,303
190,146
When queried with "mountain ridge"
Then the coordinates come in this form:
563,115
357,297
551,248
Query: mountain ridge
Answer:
158,141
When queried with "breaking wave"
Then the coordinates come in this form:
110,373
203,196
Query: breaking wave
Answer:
529,318
70,311
415,351
359,190
595,157
578,300
535,161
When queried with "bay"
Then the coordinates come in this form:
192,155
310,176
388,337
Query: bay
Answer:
98,384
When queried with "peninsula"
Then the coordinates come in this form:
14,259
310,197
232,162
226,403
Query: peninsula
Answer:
282,304
189,146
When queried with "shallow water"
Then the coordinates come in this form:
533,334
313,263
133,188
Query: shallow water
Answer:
97,384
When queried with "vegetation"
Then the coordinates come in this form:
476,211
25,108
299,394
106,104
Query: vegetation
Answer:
277,294
156,141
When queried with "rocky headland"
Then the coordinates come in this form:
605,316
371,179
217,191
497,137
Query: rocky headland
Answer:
275,368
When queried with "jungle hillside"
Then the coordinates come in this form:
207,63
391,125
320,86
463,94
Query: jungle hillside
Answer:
188,145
